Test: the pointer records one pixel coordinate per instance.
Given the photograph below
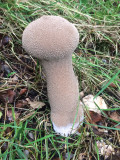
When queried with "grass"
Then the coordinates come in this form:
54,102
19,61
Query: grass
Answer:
96,62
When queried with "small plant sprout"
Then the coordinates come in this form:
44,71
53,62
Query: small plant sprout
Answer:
53,39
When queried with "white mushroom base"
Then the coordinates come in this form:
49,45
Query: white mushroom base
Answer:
69,129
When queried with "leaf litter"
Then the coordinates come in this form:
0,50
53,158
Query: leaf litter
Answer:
94,116
35,104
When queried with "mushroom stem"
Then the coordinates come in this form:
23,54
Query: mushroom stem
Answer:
63,94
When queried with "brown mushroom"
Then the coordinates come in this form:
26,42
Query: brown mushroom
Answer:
53,39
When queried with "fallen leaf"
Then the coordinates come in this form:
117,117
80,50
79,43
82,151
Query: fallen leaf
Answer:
95,117
115,116
21,103
11,94
35,104
7,96
23,91
89,102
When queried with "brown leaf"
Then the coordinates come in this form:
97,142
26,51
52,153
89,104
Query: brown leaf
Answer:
7,96
21,103
22,91
11,94
115,116
95,117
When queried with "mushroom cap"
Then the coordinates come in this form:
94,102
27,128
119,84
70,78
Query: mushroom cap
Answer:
50,37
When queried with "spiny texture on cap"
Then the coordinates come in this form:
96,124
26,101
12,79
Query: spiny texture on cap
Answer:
53,40
50,37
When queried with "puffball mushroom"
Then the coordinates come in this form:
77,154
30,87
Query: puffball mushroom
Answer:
53,39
